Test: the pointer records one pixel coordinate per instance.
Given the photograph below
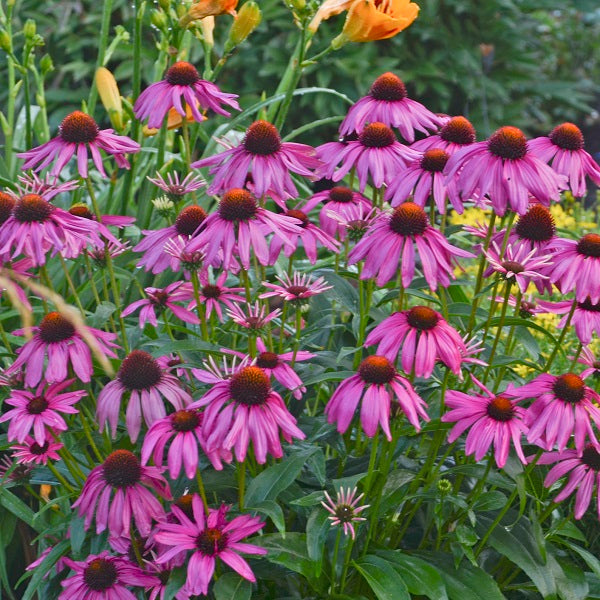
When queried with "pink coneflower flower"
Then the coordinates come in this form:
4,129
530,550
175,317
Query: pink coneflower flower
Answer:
298,289
242,407
185,427
209,537
32,452
254,317
269,160
389,103
161,299
135,488
527,307
308,233
454,135
585,318
391,240
336,200
424,337
577,266
147,384
504,169
376,152
563,405
79,133
563,149
375,383
36,226
21,269
55,346
422,179
181,82
82,210
238,226
182,259
48,187
492,419
592,363
104,577
473,347
354,220
533,230
40,410
517,264
584,475
99,254
345,510
212,295
156,259
176,189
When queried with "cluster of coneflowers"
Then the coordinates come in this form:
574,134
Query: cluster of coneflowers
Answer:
379,207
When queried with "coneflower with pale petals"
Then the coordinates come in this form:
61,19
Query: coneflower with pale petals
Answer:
345,510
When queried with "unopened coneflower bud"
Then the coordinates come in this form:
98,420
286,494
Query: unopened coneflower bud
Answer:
164,4
46,64
444,486
29,29
163,205
5,41
247,20
159,19
110,97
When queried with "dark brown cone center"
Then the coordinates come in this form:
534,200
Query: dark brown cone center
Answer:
262,138
7,203
237,205
185,420
408,219
377,135
567,136
341,194
569,388
211,541
32,208
139,371
434,160
78,128
501,409
189,219
508,143
100,575
250,386
388,87
422,317
182,73
122,469
55,328
589,245
458,130
536,225
376,370
267,360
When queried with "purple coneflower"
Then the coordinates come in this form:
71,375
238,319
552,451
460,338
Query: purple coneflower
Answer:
391,240
534,230
174,188
353,220
79,133
376,152
242,407
422,179
238,226
82,210
181,82
584,476
212,295
209,537
492,419
269,160
40,410
298,289
345,510
504,169
592,363
375,384
455,134
32,452
253,317
36,226
160,299
577,266
156,259
104,577
184,260
563,405
48,187
388,103
55,346
147,384
424,337
564,150
585,318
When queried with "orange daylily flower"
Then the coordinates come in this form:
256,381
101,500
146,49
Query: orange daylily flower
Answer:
329,8
212,8
370,20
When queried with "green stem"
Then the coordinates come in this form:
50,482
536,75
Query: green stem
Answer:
241,472
103,42
334,560
508,285
561,338
71,285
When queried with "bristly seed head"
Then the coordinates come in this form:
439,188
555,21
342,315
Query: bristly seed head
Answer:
589,245
185,504
211,291
341,194
536,225
377,135
501,409
81,210
32,208
409,219
139,371
182,73
55,328
422,317
262,138
345,513
588,305
189,219
37,405
211,541
267,360
185,420
376,370
458,130
100,575
388,87
591,457
78,128
434,160
567,136
122,469
569,388
250,386
238,205
7,203
301,216
508,143
513,266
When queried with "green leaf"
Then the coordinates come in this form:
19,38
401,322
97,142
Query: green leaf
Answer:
102,314
309,500
232,587
490,501
592,562
273,511
385,581
18,508
317,528
290,552
272,481
176,580
570,580
77,533
40,571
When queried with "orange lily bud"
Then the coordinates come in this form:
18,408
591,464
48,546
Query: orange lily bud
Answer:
370,20
110,96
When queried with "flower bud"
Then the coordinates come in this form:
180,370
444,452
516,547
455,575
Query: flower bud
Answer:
5,41
247,20
159,19
29,29
208,8
46,64
165,4
110,96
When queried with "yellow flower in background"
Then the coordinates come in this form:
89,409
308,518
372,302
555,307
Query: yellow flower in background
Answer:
562,218
523,371
471,216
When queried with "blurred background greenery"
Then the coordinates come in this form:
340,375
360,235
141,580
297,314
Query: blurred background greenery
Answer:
529,63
